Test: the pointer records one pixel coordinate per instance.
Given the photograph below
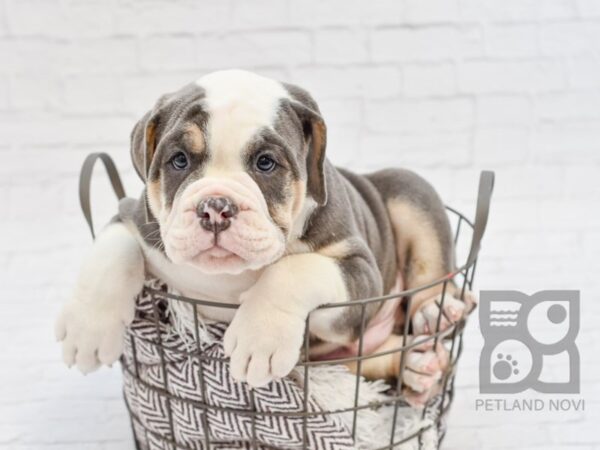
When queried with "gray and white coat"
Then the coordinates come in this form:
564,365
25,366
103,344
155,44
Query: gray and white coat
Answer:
241,205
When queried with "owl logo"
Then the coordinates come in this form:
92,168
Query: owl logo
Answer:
529,342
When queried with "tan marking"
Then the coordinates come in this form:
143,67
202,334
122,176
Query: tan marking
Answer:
301,210
194,138
281,215
337,250
150,145
155,197
381,367
316,155
288,214
299,190
416,235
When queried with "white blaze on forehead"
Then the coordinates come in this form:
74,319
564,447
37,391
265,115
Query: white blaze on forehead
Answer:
239,103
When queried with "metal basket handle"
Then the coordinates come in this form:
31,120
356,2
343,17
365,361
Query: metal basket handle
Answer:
85,181
482,212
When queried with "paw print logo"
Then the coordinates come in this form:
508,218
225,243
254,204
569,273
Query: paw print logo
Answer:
521,333
505,367
510,362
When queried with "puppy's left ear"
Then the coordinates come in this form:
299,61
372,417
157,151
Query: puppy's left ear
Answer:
144,139
315,138
143,144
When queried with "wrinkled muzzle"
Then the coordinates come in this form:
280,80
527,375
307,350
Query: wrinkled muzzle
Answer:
221,225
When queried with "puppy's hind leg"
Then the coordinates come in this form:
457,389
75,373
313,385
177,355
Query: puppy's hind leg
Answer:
424,246
422,366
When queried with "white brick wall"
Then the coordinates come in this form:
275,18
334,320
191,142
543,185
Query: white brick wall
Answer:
446,87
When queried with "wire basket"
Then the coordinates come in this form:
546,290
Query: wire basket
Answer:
167,401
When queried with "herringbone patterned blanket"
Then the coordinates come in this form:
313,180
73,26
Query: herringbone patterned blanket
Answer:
172,409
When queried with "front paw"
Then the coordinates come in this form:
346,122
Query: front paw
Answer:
425,319
263,343
92,332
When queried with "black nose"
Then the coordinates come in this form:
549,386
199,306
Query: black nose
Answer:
215,213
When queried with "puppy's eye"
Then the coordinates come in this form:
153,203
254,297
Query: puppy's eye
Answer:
265,163
179,161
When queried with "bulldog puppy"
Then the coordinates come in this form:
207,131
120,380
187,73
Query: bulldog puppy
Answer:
241,205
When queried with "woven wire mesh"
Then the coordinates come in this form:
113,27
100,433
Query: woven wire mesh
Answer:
451,338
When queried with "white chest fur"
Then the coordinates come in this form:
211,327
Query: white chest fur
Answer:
190,282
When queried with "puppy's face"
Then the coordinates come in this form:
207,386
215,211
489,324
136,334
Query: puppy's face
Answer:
231,163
